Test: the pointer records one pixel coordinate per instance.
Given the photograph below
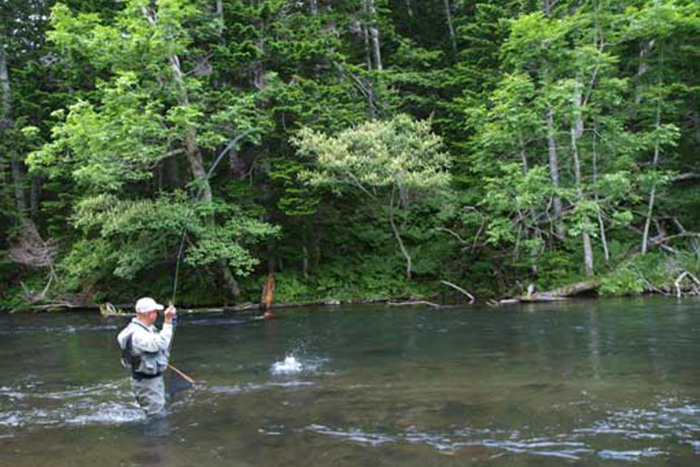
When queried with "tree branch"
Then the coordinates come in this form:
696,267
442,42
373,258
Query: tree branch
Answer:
456,287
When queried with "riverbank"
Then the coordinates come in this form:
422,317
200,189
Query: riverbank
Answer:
256,309
637,276
248,307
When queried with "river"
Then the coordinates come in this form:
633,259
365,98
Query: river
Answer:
595,383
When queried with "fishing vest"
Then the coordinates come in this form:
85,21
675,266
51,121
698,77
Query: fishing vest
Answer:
142,364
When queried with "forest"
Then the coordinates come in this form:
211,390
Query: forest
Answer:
354,150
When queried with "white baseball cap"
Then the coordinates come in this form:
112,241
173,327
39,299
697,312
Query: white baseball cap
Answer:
146,304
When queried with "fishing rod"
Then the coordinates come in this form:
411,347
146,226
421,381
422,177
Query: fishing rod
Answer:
203,183
181,249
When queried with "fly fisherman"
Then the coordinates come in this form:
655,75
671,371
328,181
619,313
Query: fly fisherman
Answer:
145,351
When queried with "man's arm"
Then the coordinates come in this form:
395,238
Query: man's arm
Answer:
155,342
121,338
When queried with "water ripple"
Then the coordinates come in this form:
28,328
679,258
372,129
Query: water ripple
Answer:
670,420
13,330
259,387
103,403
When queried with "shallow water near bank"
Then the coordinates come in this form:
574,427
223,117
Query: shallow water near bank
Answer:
586,383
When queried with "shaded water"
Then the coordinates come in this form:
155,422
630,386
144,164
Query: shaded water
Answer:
587,383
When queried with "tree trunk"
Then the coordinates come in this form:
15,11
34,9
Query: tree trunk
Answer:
194,157
587,254
17,180
374,32
35,197
258,66
652,196
259,69
371,107
368,49
5,85
601,223
313,6
230,282
554,171
305,262
404,250
170,172
409,9
523,154
450,26
576,132
237,165
368,87
547,8
525,168
644,50
220,15
6,124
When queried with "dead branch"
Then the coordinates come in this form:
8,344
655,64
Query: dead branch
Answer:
33,297
684,177
453,233
450,284
31,250
107,309
680,278
669,238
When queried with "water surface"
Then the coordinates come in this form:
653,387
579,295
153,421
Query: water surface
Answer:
585,383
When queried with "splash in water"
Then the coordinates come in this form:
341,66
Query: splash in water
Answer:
290,365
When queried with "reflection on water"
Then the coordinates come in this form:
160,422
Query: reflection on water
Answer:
590,383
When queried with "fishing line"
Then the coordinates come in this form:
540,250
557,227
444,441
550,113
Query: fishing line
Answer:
203,182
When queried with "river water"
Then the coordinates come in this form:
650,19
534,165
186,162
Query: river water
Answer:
595,383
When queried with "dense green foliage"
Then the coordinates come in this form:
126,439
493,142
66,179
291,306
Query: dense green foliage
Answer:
369,148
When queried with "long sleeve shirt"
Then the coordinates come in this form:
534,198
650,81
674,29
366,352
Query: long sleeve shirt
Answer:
149,343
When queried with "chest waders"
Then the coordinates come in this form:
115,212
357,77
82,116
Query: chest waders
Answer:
133,362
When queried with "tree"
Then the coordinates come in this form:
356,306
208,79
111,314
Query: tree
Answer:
147,110
391,162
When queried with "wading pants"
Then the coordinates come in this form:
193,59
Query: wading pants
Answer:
150,394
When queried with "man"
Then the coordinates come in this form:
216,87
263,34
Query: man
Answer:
146,352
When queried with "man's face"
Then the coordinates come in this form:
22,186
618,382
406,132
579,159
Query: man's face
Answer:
151,316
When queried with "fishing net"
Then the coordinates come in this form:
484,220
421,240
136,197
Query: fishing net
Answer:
178,383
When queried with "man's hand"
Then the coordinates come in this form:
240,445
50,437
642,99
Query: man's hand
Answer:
170,313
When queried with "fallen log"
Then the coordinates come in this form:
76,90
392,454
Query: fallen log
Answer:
562,293
414,302
51,307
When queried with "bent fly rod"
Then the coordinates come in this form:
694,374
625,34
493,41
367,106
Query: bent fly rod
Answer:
203,184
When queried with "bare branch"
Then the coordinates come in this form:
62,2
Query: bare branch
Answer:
456,287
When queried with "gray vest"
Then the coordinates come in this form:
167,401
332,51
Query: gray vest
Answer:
140,362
